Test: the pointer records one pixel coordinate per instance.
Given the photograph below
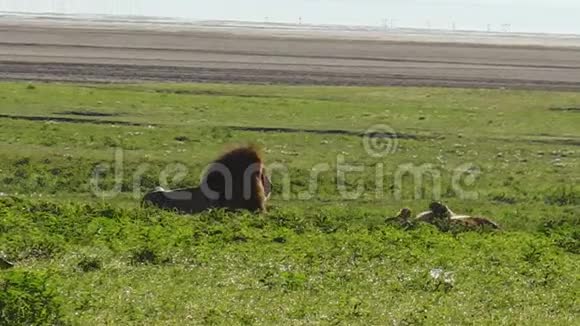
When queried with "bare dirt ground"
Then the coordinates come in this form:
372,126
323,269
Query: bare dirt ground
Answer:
48,50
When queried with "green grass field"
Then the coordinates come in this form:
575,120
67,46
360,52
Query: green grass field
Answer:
317,256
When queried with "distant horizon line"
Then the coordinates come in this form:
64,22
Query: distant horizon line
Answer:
345,27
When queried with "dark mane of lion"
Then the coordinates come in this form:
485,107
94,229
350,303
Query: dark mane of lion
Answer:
245,164
236,180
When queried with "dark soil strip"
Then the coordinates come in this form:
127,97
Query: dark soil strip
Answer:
74,120
119,73
326,132
205,92
545,139
88,113
564,142
566,109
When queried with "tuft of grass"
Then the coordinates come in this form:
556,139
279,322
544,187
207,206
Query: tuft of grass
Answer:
564,196
145,256
90,264
27,298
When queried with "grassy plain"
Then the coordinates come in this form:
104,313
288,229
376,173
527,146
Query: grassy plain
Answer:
325,259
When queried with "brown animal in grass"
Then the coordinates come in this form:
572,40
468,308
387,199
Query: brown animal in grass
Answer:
440,215
436,212
404,214
403,218
235,181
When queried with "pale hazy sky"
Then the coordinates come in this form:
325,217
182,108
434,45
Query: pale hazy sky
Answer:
555,16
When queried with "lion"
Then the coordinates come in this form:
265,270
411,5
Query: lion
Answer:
403,218
437,211
442,216
235,181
